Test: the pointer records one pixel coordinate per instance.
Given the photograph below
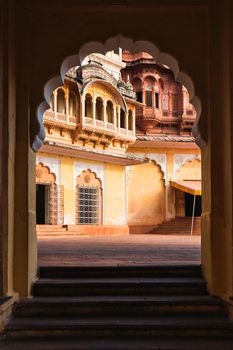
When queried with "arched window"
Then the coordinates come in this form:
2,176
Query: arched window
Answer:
130,120
137,86
99,109
88,106
72,104
89,199
109,112
122,119
148,83
61,101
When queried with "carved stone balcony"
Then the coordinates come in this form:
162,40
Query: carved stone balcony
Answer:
111,130
64,121
154,120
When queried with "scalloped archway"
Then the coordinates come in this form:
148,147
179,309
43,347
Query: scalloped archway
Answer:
112,44
45,177
89,181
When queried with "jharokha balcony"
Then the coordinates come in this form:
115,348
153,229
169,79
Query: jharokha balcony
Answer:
92,110
165,105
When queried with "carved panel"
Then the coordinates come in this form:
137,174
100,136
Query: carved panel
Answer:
44,175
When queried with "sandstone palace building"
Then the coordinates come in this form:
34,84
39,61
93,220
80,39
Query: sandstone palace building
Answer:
118,155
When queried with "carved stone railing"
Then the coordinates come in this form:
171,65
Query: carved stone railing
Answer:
59,118
88,120
99,123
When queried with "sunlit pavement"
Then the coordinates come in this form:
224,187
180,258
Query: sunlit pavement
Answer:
119,250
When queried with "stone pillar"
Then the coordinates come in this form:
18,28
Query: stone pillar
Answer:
67,94
83,109
184,94
170,96
160,101
153,97
25,241
217,158
55,103
105,114
127,122
134,121
119,118
94,110
115,116
5,145
143,93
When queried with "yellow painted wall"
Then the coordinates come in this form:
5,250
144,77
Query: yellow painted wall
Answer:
190,171
113,189
115,206
170,152
146,195
66,171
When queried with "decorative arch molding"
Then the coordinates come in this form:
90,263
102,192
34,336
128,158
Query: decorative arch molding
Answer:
88,181
55,203
53,164
79,167
159,159
119,98
88,178
180,160
44,175
150,77
103,47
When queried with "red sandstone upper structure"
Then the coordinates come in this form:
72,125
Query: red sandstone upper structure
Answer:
166,108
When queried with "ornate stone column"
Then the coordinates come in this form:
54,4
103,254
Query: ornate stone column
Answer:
184,95
153,96
119,118
127,122
115,116
105,114
170,96
134,121
94,110
67,94
83,109
55,103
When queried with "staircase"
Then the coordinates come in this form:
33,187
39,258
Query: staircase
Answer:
119,308
50,230
179,226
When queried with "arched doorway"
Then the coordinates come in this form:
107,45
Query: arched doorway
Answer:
214,214
46,196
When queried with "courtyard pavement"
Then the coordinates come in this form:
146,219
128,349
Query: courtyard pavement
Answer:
118,250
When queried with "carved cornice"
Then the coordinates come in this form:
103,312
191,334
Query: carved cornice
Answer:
60,125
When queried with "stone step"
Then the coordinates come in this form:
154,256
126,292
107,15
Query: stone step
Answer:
51,227
179,327
66,272
121,308
196,343
118,306
179,226
118,286
176,233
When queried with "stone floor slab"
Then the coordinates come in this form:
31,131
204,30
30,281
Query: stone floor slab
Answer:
118,250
